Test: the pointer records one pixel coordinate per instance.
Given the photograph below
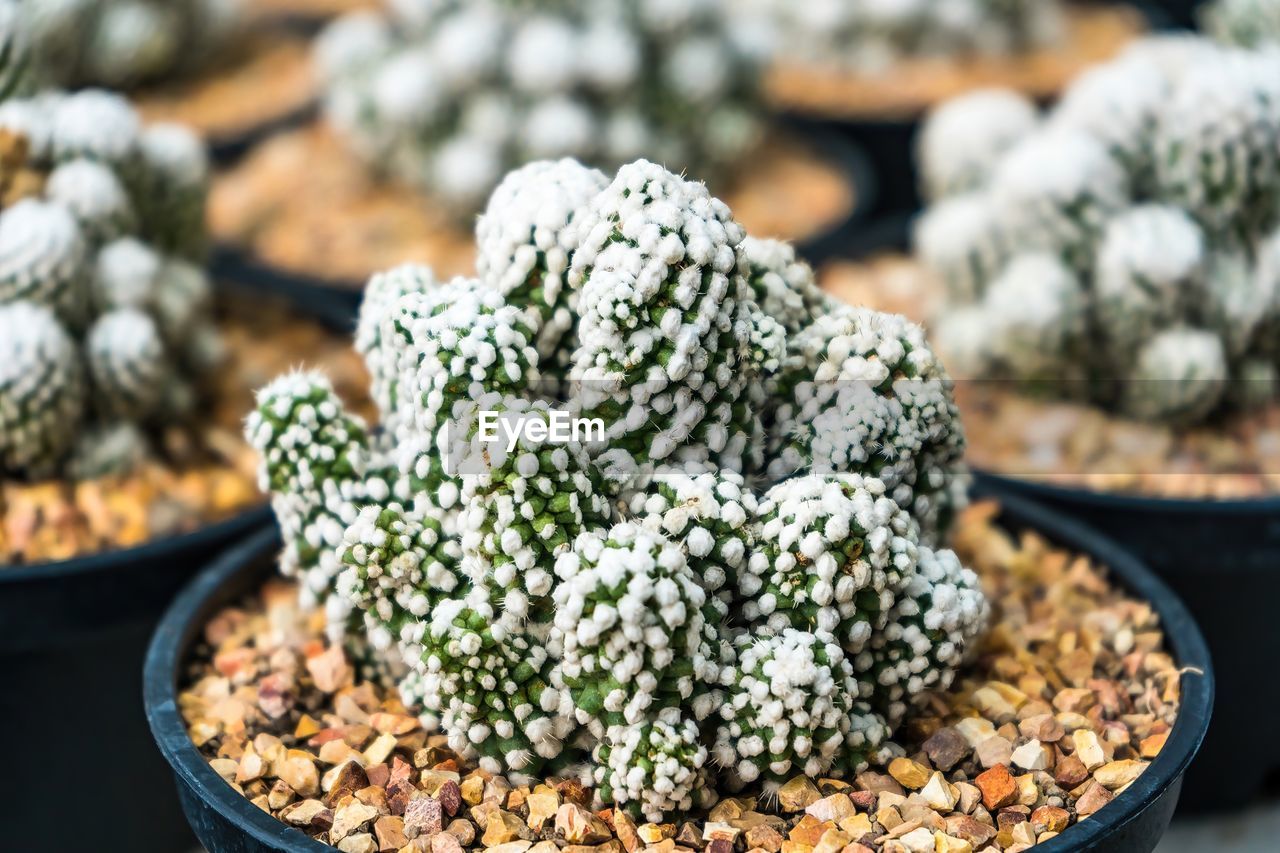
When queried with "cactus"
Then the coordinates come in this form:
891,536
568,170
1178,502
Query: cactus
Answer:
621,602
124,43
791,707
449,96
41,387
79,237
1247,23
868,37
1116,254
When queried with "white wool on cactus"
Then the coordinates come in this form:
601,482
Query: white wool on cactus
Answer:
623,608
790,703
664,307
938,611
1055,191
633,634
829,551
1150,268
404,90
1143,197
962,139
1037,314
526,239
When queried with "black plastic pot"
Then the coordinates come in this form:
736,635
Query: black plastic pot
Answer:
241,264
226,822
227,149
72,638
1223,559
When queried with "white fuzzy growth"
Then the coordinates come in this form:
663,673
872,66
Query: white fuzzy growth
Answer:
527,237
1179,375
126,361
1036,313
471,89
963,139
961,239
1149,270
94,195
43,254
41,388
97,125
620,605
1056,189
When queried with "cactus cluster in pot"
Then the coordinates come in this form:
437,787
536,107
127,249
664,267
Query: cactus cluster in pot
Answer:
1124,248
123,43
105,328
449,96
736,580
870,36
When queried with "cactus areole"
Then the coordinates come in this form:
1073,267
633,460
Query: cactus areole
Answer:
644,505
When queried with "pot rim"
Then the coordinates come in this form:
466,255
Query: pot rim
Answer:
158,549
1126,501
170,643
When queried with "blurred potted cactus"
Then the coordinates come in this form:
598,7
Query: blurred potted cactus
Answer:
875,69
203,63
1112,268
428,106
121,461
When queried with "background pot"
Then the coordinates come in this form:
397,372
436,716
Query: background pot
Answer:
1223,559
225,821
83,773
889,141
240,262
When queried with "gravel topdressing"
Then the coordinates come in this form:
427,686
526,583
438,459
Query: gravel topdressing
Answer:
1067,702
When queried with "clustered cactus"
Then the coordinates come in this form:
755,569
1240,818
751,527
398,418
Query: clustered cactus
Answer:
658,608
123,43
449,96
104,316
869,36
1122,249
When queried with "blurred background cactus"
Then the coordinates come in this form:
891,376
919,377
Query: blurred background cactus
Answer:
1118,248
1247,23
867,36
562,606
449,96
107,315
123,43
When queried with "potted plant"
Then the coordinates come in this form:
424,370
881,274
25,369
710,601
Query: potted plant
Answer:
874,71
121,392
729,592
204,63
1106,281
426,108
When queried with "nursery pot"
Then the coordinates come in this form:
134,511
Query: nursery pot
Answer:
1223,559
72,638
225,821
